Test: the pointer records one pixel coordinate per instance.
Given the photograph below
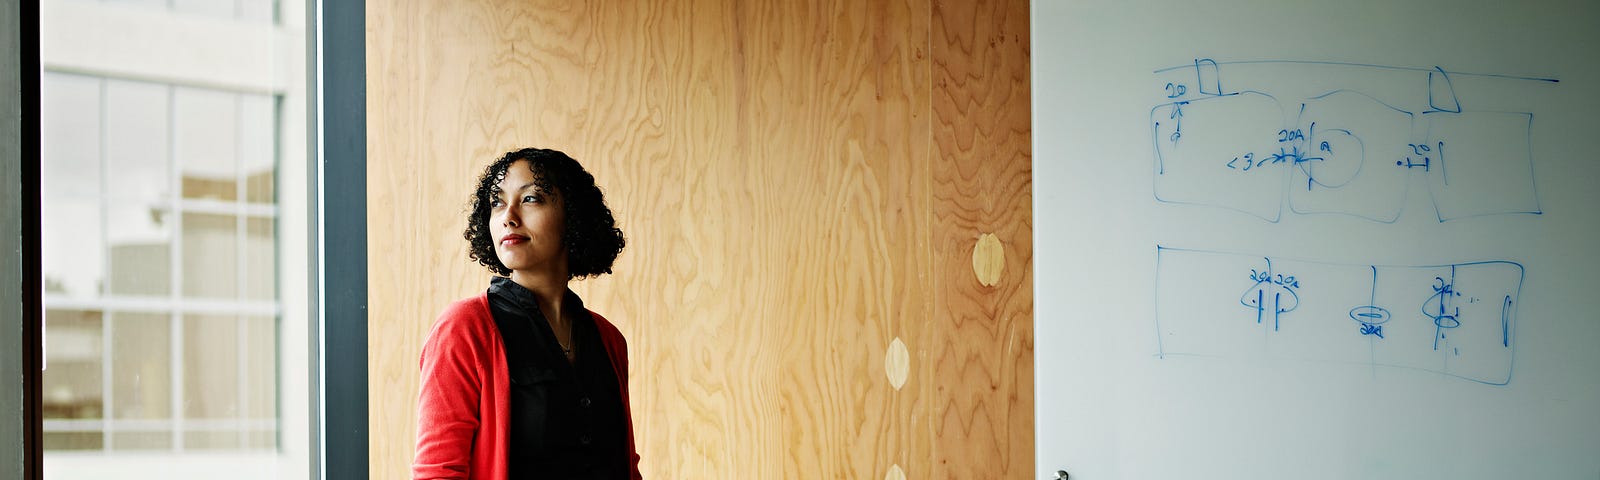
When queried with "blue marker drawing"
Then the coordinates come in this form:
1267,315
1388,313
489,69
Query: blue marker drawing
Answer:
1347,137
1277,289
1505,322
1463,326
1442,308
1216,151
1370,316
1441,94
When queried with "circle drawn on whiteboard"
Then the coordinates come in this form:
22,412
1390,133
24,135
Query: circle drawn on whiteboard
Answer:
1334,159
1441,305
1370,314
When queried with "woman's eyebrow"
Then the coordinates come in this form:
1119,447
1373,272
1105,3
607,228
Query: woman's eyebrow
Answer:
497,191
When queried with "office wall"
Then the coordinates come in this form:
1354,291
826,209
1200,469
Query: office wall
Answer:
827,205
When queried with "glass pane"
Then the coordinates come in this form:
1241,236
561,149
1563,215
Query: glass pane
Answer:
210,440
70,242
210,255
73,440
261,368
261,259
136,140
155,4
160,221
206,131
210,367
261,440
71,387
209,8
255,10
139,241
258,119
69,128
141,441
141,365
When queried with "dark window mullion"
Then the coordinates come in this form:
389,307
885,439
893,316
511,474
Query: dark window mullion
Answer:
343,226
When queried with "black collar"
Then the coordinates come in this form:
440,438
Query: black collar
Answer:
525,303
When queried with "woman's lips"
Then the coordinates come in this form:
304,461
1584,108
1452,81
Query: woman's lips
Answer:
512,239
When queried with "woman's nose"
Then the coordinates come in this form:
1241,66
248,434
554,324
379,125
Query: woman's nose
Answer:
509,218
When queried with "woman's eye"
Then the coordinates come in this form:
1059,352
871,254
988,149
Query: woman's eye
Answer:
530,199
496,203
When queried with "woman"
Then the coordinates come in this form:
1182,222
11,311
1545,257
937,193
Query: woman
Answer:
522,381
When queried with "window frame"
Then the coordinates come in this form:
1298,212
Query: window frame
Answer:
21,346
339,133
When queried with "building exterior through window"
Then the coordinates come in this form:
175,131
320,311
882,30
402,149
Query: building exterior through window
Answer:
173,232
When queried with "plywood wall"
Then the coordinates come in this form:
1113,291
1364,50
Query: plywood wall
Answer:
827,206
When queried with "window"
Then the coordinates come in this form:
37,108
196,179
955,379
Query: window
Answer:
135,172
174,300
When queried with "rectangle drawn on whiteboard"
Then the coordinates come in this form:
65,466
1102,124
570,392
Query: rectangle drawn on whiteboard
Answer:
1341,138
1457,320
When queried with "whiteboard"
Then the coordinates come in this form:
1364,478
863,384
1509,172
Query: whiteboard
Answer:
1317,240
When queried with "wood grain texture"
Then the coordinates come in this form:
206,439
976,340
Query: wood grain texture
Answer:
800,184
982,182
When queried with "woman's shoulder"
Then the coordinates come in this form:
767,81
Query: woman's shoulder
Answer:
464,315
608,331
472,305
463,335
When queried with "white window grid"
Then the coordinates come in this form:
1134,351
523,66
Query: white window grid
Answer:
175,304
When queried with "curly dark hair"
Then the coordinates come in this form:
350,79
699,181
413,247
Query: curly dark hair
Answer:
592,238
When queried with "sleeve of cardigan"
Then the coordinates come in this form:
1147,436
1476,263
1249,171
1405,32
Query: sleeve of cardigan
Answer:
617,349
447,405
633,446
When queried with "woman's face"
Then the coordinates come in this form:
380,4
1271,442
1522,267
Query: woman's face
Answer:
526,223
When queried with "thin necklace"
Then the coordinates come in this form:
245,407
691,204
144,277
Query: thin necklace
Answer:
565,348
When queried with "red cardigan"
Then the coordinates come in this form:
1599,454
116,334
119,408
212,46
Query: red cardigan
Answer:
464,409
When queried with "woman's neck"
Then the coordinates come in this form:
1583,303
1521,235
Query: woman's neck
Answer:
548,290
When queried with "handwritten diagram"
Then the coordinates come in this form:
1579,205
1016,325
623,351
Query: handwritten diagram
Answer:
1339,138
1458,320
